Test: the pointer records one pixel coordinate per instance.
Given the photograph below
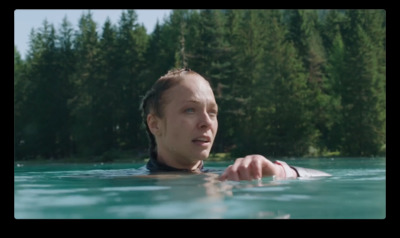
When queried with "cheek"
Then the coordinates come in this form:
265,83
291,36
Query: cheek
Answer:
175,127
215,126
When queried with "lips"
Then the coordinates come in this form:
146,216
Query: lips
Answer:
202,140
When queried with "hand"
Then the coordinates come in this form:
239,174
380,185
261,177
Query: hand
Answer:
251,167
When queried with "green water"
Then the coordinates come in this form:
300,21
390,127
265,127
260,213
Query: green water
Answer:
357,190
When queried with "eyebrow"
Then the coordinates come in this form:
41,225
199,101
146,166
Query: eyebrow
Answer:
199,102
193,101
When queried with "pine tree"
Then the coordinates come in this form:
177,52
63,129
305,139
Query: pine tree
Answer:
85,82
228,87
177,37
106,98
285,81
207,52
331,32
363,93
20,86
66,66
289,119
239,101
276,120
159,55
132,43
44,125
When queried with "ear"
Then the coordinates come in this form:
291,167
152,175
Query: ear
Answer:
154,124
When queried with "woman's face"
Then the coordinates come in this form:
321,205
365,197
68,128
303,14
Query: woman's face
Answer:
187,130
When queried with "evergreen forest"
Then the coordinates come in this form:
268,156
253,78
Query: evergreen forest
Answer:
289,83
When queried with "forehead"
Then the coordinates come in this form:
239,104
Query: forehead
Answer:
191,87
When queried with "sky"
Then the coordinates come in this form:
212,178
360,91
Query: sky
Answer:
26,20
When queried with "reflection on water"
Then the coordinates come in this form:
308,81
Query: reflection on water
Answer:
89,192
205,196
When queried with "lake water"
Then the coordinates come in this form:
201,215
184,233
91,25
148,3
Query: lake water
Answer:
356,190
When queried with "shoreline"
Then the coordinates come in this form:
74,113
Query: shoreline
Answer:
219,157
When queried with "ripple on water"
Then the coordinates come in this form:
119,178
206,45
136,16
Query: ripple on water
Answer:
282,197
263,189
32,192
134,188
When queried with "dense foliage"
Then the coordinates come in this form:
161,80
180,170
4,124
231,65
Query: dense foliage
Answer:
288,82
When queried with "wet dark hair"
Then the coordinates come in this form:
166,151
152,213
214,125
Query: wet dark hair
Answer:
152,101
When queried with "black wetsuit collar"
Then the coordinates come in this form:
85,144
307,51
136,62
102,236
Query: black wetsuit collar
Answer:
155,166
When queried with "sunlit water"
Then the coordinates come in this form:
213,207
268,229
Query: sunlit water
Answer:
357,190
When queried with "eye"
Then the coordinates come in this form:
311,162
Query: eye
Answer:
189,110
213,113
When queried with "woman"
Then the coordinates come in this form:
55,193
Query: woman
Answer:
180,115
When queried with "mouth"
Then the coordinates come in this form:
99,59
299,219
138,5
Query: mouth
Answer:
202,140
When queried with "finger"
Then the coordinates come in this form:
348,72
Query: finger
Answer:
229,174
257,168
269,168
244,168
232,173
224,175
232,170
236,164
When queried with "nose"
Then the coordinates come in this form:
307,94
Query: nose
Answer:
205,121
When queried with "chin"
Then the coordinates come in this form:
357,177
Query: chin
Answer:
201,154
204,155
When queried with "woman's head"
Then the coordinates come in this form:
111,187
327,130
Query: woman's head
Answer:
180,114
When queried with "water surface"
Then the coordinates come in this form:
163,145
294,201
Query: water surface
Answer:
356,190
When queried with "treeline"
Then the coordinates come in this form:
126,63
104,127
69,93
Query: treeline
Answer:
288,82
